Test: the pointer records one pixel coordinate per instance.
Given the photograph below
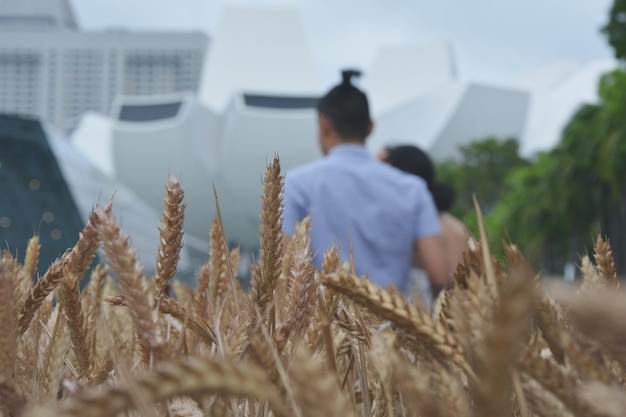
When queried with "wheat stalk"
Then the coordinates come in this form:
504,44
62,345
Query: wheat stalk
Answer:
270,244
504,342
301,289
31,261
202,289
80,257
171,235
303,342
123,261
8,346
402,313
69,298
311,382
606,265
191,376
557,380
607,400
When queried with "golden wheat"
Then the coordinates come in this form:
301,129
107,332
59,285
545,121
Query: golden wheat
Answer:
302,342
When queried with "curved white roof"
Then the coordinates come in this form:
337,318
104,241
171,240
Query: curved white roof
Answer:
203,149
137,219
419,121
483,111
257,75
251,136
455,114
558,90
257,50
399,74
146,152
92,138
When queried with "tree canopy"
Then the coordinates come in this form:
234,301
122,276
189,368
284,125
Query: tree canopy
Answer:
481,171
615,29
553,206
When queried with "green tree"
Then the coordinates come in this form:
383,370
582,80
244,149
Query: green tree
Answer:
615,29
551,207
481,171
554,207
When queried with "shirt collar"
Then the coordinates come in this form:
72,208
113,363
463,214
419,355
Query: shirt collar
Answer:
349,150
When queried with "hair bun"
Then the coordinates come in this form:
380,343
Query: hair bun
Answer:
346,76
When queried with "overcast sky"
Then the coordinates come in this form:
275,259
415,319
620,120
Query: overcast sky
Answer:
494,41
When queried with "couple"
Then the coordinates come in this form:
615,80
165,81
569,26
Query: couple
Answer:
387,216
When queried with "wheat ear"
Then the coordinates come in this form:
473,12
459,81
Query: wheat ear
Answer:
468,311
201,295
21,283
197,323
401,312
607,400
591,277
503,344
171,232
69,297
548,316
261,353
31,261
331,264
123,261
301,301
271,247
430,390
599,315
191,376
92,300
555,379
218,285
229,268
8,345
81,256
605,262
176,309
541,401
11,399
311,381
587,365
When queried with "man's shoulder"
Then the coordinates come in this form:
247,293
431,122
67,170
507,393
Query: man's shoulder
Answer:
306,170
401,178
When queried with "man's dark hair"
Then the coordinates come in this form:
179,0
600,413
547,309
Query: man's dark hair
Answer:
347,108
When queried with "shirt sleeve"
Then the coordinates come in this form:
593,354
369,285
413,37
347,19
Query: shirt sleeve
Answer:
294,207
426,217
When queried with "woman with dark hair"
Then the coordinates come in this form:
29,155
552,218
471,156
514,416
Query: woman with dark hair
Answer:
413,160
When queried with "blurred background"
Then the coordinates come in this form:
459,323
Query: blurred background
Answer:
519,103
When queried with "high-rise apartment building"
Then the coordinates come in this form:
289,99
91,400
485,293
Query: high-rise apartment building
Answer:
52,70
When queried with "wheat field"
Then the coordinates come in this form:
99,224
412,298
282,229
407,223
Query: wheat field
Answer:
300,342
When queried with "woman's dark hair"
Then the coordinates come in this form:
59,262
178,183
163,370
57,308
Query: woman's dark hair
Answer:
413,160
347,108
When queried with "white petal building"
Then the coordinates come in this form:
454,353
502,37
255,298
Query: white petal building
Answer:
557,90
248,96
257,99
224,136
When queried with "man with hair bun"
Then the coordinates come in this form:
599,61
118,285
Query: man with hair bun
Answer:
385,215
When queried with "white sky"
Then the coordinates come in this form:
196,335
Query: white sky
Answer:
494,41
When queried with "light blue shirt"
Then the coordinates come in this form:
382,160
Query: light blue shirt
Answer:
351,197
